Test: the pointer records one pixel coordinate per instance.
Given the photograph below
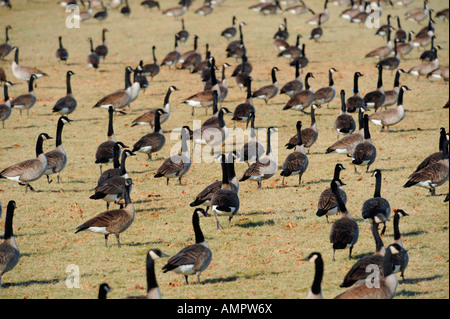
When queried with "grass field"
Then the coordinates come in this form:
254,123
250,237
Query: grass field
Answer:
259,256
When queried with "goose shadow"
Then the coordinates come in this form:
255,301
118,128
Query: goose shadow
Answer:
256,224
414,281
27,283
219,280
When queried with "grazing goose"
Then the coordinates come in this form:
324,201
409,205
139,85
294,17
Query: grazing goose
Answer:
243,110
120,98
230,32
93,59
377,208
24,73
344,232
391,63
269,91
150,4
359,272
153,291
119,168
28,170
315,292
26,101
387,283
309,135
225,201
392,95
5,48
364,153
376,98
152,142
148,118
101,14
355,102
344,123
5,107
113,221
326,94
295,85
387,118
195,258
57,158
323,16
9,251
440,73
405,48
327,204
400,260
61,53
296,162
442,14
383,51
177,11
433,175
252,150
105,151
346,144
172,58
265,167
152,69
102,49
301,100
67,104
176,166
435,157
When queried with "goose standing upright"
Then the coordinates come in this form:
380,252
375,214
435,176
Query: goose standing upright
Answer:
392,95
326,94
105,151
252,150
26,101
61,53
344,123
269,91
295,85
5,107
183,34
57,158
101,50
152,69
243,110
172,58
400,260
67,104
152,142
5,48
434,157
119,164
9,251
327,204
355,102
364,153
315,292
323,16
376,98
93,59
301,100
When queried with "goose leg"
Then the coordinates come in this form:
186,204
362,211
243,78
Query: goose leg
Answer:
334,250
383,230
48,179
118,240
167,183
350,252
217,222
186,277
57,178
106,240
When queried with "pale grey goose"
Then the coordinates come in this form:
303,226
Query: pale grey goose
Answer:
22,72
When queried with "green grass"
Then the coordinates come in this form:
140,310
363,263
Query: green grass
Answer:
259,256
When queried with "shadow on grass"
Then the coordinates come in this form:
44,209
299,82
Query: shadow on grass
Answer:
6,285
256,224
219,280
414,281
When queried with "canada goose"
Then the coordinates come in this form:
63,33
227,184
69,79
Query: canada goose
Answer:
152,69
296,162
225,201
387,283
27,100
214,133
309,134
323,16
204,65
24,73
148,118
252,150
67,104
327,204
362,16
279,43
223,86
5,107
101,14
425,36
192,60
119,168
243,110
302,59
5,48
242,77
195,50
172,58
150,4
383,51
400,34
178,165
112,221
315,292
183,34
105,151
426,67
234,45
176,11
205,9
344,122
442,14
2,75
125,10
317,32
347,144
230,32
153,291
405,48
57,158
295,85
195,258
244,67
433,175
85,14
271,8
435,157
417,14
114,4
382,31
377,207
152,142
400,260
387,118
392,95
101,50
61,53
282,32
364,153
29,170
269,91
120,98
358,273
355,102
326,94
429,55
301,100
292,52
265,167
205,98
391,63
93,59
355,8
9,251
344,232
376,98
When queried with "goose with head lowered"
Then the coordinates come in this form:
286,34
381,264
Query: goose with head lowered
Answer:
327,204
364,153
113,221
57,158
377,208
376,98
344,122
22,72
269,91
387,118
26,101
195,258
152,142
303,99
9,251
30,170
67,104
315,292
297,162
5,107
